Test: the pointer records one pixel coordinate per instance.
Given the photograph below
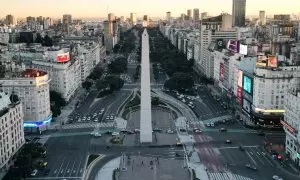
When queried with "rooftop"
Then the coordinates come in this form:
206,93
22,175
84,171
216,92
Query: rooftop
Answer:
4,100
33,73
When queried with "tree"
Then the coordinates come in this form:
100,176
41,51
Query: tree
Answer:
101,85
118,66
96,74
114,82
180,81
117,48
48,41
57,98
87,84
154,101
39,38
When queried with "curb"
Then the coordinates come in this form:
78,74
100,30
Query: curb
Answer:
91,165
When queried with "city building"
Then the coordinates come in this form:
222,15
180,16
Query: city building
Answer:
189,14
111,17
4,37
221,22
238,13
291,124
262,18
168,16
205,63
10,20
145,21
204,15
67,19
32,87
133,19
196,15
12,130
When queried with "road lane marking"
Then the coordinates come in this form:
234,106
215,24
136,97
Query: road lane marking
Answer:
73,167
78,167
61,166
251,158
66,168
258,157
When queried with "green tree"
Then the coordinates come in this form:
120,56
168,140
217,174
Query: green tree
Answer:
114,82
154,101
101,85
48,41
39,38
87,84
57,98
118,66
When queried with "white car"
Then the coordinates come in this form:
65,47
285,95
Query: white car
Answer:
212,124
115,134
169,131
111,117
89,118
95,114
96,120
183,100
34,172
137,130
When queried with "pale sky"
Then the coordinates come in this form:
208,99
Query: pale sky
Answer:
154,8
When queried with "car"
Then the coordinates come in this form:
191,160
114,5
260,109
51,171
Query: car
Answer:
212,124
249,166
169,131
198,131
96,120
228,141
182,130
157,129
129,132
115,134
208,124
275,177
97,134
88,119
45,164
102,109
34,172
111,117
108,132
107,117
179,143
223,129
79,120
137,130
261,133
183,100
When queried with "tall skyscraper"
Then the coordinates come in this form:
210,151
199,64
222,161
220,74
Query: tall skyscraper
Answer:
10,20
111,17
196,14
238,12
133,18
67,19
168,16
189,14
262,17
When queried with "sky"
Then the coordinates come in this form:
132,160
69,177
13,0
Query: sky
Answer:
153,8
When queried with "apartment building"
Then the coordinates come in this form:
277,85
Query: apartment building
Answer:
11,130
32,87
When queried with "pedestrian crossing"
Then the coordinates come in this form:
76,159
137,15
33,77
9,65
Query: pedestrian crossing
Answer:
86,125
226,176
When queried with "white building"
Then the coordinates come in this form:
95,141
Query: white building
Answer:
32,87
291,124
12,130
205,61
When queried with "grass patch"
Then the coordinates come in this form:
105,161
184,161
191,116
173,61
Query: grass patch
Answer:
92,157
134,102
104,93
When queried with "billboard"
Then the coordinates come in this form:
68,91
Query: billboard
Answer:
272,61
239,95
261,60
222,71
247,84
233,46
246,105
243,49
240,78
220,44
64,57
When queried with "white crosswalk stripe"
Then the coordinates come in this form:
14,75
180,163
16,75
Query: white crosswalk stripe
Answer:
226,176
86,125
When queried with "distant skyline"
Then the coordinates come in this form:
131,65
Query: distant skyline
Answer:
154,8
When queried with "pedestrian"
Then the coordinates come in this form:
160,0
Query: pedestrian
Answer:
142,163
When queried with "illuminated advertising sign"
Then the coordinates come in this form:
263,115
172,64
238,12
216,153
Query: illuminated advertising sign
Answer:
233,46
41,80
287,126
64,57
261,60
37,123
247,84
222,71
272,61
243,49
220,44
239,95
240,78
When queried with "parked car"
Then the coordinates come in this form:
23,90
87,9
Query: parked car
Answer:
228,141
223,129
115,134
34,172
249,166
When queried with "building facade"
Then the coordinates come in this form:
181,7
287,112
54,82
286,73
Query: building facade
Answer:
238,13
12,130
32,87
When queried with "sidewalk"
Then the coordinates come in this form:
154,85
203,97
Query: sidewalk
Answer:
107,170
68,109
